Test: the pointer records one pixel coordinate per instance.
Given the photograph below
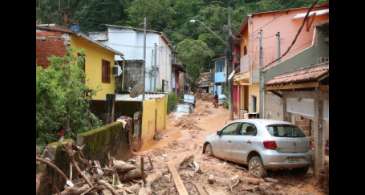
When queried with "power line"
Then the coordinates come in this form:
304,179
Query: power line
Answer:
296,36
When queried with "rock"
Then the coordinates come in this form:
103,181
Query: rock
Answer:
106,192
211,179
272,180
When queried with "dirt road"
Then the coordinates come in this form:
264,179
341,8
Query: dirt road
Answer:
186,135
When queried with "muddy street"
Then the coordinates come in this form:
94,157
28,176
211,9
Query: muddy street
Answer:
185,136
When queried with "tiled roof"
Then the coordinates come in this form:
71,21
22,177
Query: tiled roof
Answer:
308,74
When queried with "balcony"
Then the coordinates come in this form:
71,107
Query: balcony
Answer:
219,77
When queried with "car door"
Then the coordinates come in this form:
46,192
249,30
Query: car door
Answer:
224,142
244,142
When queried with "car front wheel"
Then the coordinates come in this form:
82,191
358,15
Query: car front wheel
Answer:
208,150
256,168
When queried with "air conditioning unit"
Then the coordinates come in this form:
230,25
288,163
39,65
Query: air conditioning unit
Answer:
117,71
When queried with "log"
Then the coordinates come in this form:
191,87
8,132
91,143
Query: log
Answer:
75,190
122,167
108,186
132,174
177,180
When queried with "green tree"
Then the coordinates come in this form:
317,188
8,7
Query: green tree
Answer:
159,13
62,99
194,54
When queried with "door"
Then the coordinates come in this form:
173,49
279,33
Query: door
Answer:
219,89
245,142
224,144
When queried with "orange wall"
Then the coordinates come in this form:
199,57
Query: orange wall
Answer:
282,22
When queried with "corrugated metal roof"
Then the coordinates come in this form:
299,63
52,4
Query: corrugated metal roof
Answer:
308,74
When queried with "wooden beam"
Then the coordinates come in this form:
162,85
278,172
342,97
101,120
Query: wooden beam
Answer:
177,180
292,86
324,88
277,93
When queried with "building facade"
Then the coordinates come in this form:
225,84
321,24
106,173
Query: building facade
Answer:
278,29
220,74
297,90
99,59
158,53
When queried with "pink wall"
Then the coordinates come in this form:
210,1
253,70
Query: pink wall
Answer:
282,22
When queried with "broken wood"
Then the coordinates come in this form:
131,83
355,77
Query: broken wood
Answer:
121,166
177,180
132,174
142,171
76,190
53,166
200,189
71,155
108,186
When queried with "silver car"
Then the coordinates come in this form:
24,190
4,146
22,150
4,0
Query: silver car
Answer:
262,144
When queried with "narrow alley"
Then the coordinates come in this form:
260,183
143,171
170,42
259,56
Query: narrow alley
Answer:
186,135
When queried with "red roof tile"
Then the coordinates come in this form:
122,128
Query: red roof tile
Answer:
307,74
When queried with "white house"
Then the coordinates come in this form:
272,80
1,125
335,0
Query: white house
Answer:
158,52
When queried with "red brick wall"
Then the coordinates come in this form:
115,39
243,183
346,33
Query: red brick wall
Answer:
47,44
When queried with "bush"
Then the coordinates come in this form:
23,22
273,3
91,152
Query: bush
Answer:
172,102
226,104
62,99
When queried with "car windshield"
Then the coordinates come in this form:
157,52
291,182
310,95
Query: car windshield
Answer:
283,130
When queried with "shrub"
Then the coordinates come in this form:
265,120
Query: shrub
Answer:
172,102
62,99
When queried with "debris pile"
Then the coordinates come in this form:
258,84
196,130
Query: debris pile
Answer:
89,177
187,123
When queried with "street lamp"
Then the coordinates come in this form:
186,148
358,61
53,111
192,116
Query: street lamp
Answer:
210,30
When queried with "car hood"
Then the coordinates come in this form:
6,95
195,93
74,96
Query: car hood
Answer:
210,137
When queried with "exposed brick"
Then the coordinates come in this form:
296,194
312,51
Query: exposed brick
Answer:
48,44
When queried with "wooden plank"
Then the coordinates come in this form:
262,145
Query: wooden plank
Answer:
200,189
177,180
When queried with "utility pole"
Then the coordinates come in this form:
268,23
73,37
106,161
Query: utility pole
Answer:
261,74
278,50
144,57
229,63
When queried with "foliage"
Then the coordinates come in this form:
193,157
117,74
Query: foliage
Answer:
195,54
172,101
62,100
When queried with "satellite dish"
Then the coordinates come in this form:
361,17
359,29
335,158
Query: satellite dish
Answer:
136,91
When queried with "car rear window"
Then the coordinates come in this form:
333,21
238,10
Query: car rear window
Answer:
283,130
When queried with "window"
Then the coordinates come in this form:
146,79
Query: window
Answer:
219,65
244,50
105,71
230,129
283,130
248,129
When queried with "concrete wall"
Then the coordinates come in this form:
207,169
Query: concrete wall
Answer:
153,119
273,107
111,138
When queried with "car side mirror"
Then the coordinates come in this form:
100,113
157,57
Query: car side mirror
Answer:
219,133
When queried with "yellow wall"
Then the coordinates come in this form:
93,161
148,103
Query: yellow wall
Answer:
254,90
94,54
151,123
